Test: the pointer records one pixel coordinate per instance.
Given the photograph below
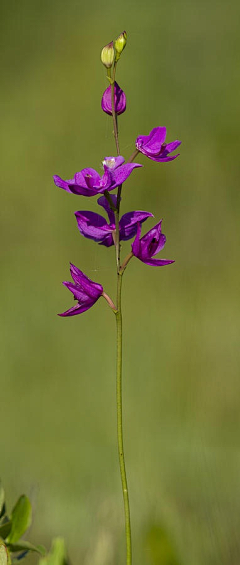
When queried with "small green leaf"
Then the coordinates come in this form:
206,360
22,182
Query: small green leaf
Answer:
57,555
5,529
21,519
3,555
25,546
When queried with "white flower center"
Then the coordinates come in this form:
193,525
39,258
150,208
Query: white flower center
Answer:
110,163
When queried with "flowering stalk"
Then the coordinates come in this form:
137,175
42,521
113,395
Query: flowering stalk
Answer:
118,315
91,225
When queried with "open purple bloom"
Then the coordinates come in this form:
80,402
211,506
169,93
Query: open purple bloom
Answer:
88,182
154,146
96,227
149,245
119,100
85,291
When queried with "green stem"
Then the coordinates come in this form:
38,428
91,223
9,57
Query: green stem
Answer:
119,423
118,314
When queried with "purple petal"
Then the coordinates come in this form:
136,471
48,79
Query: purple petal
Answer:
152,242
78,309
169,147
157,262
129,221
119,100
76,189
62,183
107,240
78,293
122,173
91,288
103,201
92,225
87,178
164,159
152,143
136,247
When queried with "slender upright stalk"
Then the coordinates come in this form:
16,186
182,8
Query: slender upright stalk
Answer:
119,354
119,423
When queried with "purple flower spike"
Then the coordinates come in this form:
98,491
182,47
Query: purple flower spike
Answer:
154,146
94,226
85,291
149,245
119,100
89,183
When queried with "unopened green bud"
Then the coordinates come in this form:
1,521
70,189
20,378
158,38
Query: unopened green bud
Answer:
120,43
107,55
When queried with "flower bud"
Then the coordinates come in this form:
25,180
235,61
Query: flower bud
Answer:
107,55
120,43
119,100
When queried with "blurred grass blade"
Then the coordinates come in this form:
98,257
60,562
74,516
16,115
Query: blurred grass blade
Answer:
57,555
21,519
159,547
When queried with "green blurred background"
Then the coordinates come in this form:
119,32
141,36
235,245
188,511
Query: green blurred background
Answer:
181,323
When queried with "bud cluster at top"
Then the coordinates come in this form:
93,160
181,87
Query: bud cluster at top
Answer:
111,53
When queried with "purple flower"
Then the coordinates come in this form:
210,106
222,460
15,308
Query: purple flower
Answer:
94,226
154,146
88,182
119,100
149,245
85,291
